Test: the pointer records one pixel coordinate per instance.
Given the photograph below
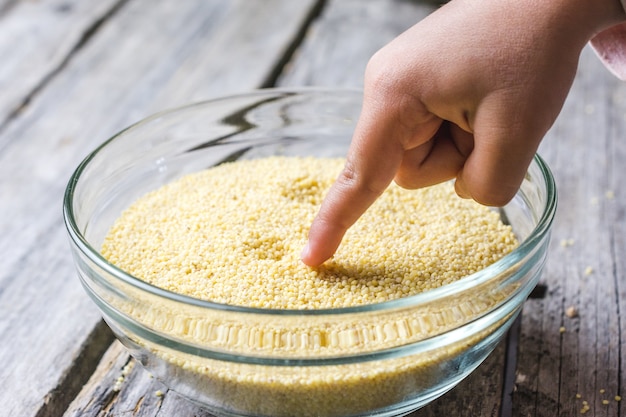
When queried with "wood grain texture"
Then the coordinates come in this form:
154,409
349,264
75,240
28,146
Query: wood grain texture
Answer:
120,385
117,387
585,269
39,37
149,56
477,395
339,44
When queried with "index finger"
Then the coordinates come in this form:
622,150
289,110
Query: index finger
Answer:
373,159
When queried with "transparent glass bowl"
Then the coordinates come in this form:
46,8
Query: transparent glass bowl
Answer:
378,360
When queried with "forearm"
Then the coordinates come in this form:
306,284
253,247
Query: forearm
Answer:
579,20
600,14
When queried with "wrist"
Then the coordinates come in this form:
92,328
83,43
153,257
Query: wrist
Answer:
605,13
581,20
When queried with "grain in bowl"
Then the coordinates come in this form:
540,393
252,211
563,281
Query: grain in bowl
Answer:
232,234
362,350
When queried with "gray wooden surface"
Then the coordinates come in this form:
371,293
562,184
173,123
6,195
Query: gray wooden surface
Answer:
74,72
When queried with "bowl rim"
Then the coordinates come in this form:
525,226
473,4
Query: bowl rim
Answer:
536,236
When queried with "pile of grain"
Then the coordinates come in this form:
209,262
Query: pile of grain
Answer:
233,234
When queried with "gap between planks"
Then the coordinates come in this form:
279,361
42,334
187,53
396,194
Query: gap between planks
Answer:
89,356
275,73
80,43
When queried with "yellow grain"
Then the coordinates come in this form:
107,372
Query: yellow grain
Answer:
233,234
571,312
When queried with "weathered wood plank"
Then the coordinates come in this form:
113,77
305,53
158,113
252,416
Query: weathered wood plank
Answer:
120,384
478,395
36,39
586,151
135,64
339,44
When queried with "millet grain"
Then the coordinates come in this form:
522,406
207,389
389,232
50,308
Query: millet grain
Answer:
232,234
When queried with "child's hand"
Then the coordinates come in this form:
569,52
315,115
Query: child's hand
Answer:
468,93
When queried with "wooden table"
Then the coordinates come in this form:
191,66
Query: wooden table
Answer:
73,72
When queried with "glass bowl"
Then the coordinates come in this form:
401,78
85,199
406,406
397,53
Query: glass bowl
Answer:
377,360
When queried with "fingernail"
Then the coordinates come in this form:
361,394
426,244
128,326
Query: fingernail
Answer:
305,252
460,190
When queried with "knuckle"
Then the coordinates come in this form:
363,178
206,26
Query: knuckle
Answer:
382,79
392,91
352,179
